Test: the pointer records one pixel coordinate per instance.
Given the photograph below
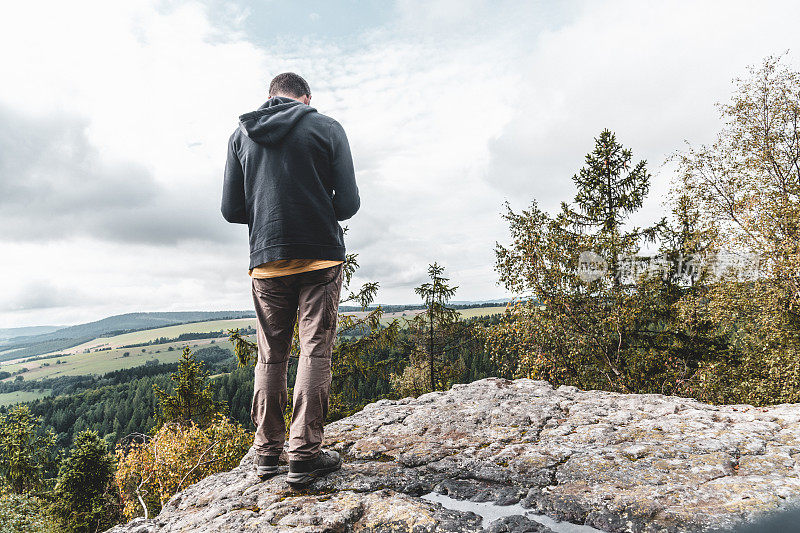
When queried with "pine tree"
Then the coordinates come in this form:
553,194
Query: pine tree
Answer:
193,398
24,449
590,316
85,499
433,329
439,341
609,192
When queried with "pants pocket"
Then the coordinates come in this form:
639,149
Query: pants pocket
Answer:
331,295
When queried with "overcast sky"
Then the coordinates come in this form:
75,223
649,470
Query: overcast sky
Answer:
114,119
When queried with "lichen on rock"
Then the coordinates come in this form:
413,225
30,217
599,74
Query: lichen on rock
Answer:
617,462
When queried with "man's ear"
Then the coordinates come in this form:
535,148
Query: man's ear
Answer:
306,99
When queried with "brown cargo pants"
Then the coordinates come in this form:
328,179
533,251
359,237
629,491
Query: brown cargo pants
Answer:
314,297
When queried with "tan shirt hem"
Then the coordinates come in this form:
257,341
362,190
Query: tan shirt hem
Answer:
286,267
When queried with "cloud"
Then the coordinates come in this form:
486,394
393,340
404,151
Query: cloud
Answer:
651,72
37,296
55,184
48,165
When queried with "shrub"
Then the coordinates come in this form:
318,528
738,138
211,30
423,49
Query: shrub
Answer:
22,514
176,456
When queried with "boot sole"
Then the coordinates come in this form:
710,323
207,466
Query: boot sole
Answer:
302,479
266,472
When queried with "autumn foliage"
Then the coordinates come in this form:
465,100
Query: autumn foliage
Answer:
156,468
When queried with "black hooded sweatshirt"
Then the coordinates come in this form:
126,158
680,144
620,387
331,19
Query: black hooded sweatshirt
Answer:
289,176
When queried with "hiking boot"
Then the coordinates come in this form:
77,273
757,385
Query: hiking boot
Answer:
301,473
266,466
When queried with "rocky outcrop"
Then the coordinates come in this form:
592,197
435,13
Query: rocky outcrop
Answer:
617,462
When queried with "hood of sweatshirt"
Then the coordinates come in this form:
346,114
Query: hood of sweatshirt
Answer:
270,123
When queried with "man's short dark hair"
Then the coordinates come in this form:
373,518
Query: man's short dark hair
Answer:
290,84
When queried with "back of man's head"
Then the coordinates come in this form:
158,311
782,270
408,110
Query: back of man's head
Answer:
289,84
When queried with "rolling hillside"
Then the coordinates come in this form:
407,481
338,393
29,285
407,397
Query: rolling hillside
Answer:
26,331
68,337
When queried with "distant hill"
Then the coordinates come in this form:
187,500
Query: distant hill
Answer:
10,333
63,338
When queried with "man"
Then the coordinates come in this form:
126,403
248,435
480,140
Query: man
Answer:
289,177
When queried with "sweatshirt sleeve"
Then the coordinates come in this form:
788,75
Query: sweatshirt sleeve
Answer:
345,200
234,207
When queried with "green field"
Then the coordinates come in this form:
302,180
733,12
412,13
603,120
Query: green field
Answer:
9,398
482,311
169,332
107,360
105,354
